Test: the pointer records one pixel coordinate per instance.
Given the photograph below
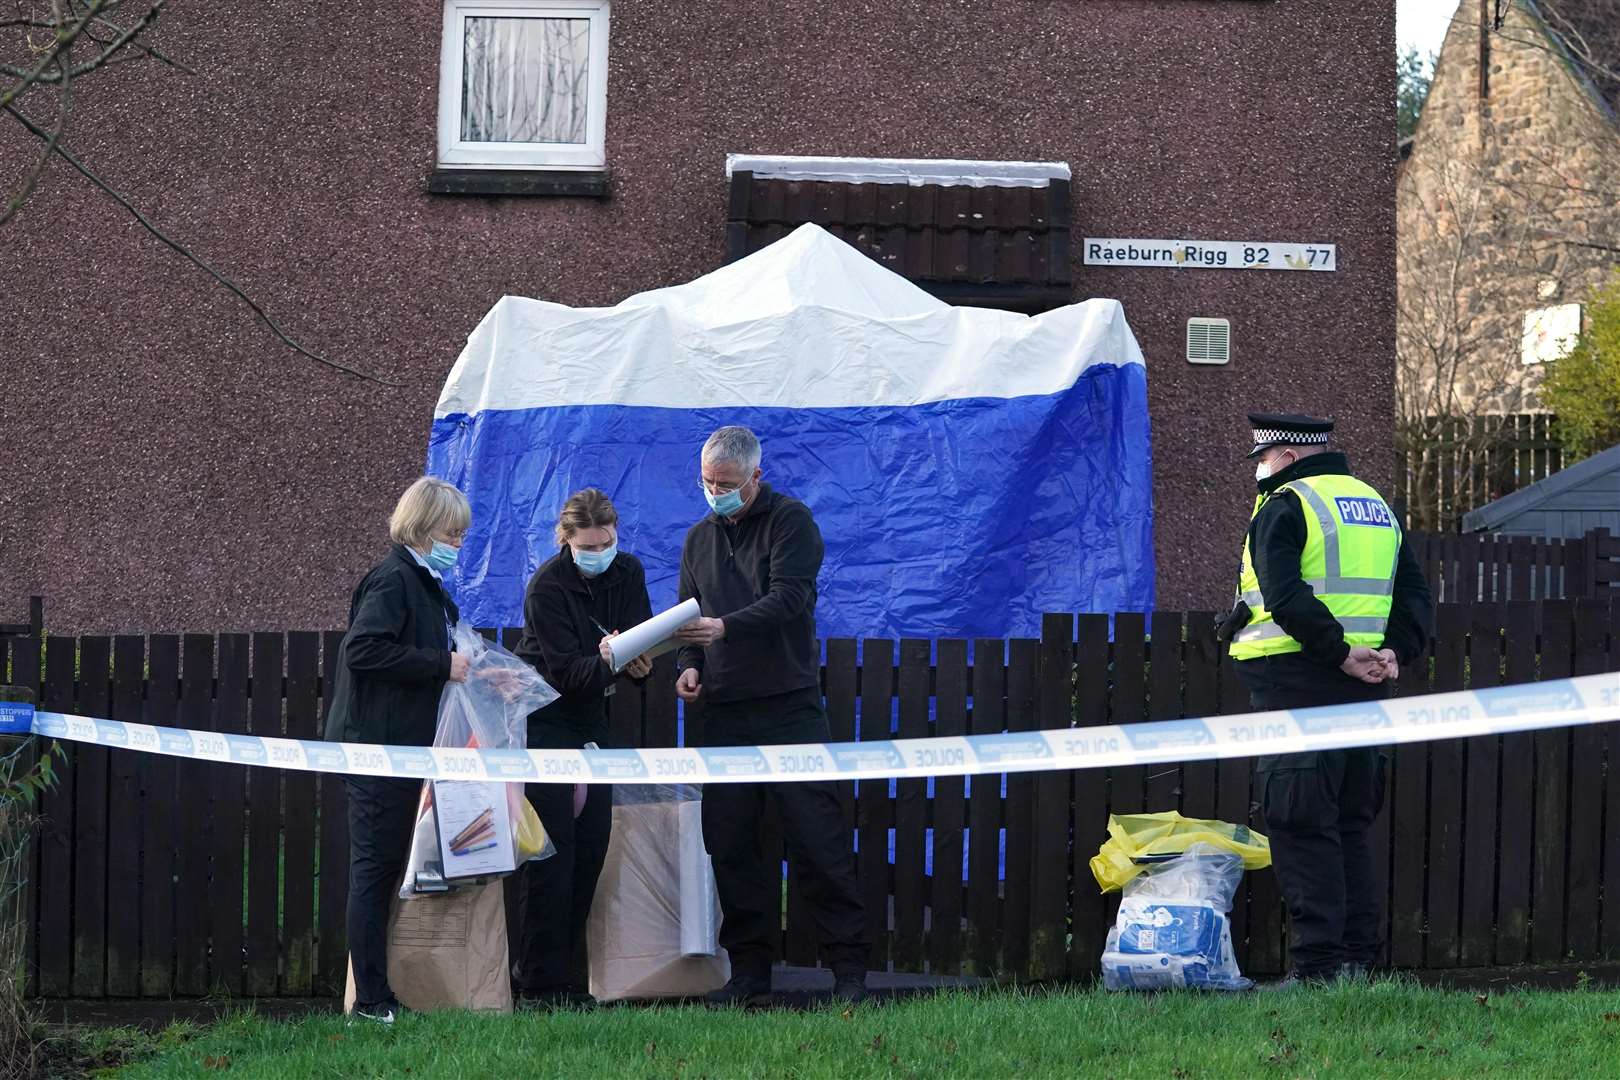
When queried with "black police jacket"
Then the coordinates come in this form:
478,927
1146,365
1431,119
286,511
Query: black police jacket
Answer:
565,616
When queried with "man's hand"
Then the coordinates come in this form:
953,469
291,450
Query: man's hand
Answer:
1392,664
605,650
701,631
459,667
640,667
687,687
1364,664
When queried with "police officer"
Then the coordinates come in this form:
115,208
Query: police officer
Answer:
1331,603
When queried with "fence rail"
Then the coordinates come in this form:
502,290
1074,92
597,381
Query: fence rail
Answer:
1476,567
156,877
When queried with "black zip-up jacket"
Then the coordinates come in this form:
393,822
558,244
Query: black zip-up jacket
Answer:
758,575
565,616
1277,535
395,658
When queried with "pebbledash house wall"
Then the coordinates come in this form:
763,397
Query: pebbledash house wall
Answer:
171,467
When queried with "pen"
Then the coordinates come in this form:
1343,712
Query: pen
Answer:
611,688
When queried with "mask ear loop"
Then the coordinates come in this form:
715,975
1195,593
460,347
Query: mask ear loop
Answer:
1276,468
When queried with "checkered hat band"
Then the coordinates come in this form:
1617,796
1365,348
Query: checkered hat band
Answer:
1272,435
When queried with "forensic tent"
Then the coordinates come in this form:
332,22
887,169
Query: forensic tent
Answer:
969,469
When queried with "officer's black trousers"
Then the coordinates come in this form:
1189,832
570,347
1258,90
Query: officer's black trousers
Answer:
382,814
818,843
1318,810
554,895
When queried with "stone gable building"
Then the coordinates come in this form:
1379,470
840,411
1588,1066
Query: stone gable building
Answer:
1508,214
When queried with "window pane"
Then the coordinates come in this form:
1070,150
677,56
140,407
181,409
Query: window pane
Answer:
524,80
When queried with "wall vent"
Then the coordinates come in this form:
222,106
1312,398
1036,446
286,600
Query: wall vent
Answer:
1209,341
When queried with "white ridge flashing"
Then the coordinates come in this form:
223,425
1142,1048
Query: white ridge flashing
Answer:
948,172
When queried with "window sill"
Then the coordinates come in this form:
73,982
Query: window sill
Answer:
587,183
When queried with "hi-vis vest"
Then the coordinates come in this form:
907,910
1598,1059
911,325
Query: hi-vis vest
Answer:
1351,544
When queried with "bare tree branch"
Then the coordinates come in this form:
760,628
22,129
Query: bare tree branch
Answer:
63,152
106,55
1586,53
106,36
1459,379
144,50
64,38
1573,42
64,108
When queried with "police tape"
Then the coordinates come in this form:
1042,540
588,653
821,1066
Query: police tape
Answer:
1558,703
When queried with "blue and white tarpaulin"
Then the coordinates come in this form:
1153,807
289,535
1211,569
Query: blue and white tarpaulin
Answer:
969,469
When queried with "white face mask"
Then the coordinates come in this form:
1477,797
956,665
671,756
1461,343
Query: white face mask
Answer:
1263,471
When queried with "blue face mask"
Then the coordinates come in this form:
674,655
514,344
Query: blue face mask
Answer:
442,557
724,505
594,562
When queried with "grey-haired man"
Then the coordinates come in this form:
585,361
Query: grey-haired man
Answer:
755,661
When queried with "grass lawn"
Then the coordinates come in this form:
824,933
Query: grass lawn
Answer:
1385,1029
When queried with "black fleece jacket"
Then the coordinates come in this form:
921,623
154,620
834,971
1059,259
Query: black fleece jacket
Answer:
565,615
395,659
758,574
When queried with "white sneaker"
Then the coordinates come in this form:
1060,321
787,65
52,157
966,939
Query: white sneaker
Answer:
384,1012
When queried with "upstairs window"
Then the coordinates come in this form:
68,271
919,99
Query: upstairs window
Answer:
523,84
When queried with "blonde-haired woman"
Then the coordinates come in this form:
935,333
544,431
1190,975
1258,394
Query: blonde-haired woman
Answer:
580,597
393,664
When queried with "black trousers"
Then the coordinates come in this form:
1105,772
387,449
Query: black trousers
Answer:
1319,814
554,895
750,886
382,815
1319,809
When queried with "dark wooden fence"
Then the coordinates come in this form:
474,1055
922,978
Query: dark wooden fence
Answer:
1484,567
158,877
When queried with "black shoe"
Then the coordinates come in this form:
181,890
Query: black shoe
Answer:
383,1012
1302,980
555,1001
850,988
748,991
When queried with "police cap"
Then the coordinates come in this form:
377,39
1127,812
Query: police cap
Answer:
1287,429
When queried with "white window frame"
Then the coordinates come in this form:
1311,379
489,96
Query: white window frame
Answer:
457,154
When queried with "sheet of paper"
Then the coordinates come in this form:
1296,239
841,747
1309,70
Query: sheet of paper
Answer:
475,829
653,636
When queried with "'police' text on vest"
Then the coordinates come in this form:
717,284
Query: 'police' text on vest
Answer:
1357,511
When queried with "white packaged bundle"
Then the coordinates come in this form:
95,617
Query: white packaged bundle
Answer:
1172,930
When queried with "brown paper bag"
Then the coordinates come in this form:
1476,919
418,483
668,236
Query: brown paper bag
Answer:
448,952
634,933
